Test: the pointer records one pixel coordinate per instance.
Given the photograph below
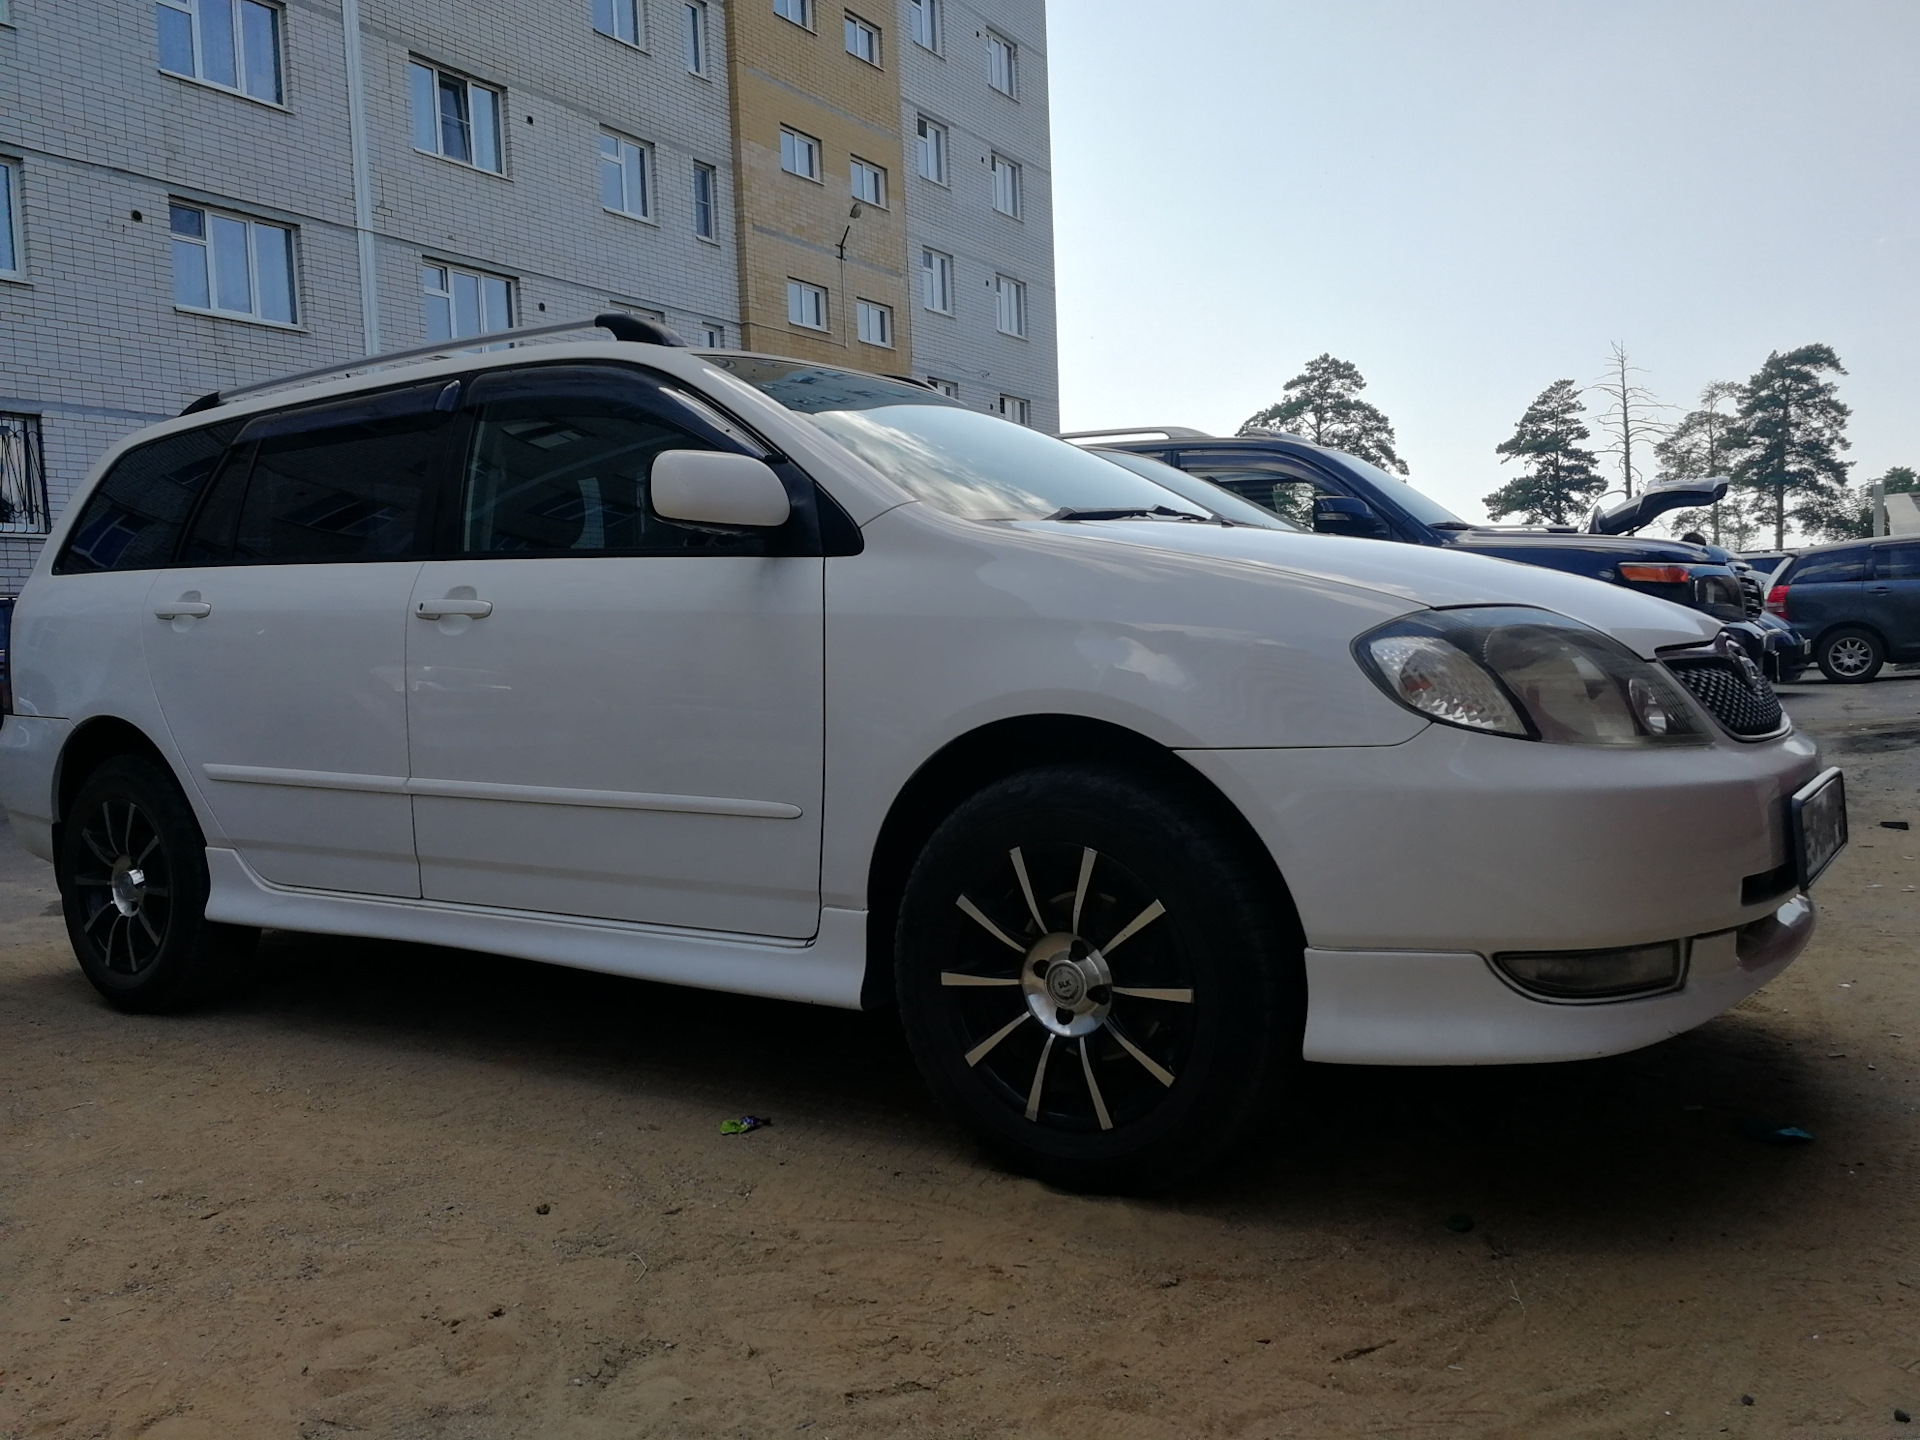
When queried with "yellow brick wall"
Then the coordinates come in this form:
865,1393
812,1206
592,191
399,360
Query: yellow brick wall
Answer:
783,75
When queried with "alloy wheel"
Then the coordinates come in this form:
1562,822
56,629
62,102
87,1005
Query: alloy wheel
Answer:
125,891
1850,655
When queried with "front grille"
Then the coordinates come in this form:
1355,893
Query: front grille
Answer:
1743,702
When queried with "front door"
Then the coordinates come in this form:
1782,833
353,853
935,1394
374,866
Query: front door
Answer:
277,647
1280,485
611,715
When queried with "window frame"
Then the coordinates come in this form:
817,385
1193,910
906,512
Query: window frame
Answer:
195,36
805,8
649,177
439,76
858,27
1005,286
13,220
707,206
932,274
1001,165
998,45
449,270
948,388
812,147
798,289
615,9
696,44
932,140
211,263
1016,408
855,165
21,434
923,24
881,314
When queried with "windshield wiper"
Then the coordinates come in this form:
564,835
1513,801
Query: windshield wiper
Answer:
1134,512
1452,525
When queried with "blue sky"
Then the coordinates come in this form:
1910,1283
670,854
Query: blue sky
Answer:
1471,198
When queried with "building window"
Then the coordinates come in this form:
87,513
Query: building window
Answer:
1006,186
234,44
799,154
923,17
713,334
455,118
936,281
875,323
622,19
13,245
232,266
930,150
626,177
461,303
1003,60
863,39
1016,409
869,183
706,184
806,305
948,388
800,12
693,36
23,477
1010,305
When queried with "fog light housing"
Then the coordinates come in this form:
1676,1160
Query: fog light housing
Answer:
1596,974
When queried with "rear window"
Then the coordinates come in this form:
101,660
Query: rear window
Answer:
1834,568
132,520
1898,562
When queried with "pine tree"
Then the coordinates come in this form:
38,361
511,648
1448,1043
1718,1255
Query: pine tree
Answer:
1695,447
1323,404
1559,481
1791,430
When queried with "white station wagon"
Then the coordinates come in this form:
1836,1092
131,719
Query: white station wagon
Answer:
761,675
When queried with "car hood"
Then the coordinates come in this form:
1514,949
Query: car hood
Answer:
1423,576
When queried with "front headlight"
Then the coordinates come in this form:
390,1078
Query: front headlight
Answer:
1532,674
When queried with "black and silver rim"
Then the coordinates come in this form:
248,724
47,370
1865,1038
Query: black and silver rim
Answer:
123,887
1850,655
1068,995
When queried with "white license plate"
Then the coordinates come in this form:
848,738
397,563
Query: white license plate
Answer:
1817,829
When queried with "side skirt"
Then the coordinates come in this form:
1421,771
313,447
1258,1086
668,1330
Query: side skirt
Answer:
826,970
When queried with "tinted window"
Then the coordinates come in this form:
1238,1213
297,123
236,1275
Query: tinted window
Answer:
1830,569
346,481
1284,489
1897,562
559,464
132,520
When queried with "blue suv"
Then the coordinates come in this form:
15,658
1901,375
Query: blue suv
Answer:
1859,602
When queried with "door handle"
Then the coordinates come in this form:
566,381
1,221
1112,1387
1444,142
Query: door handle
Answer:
440,609
182,610
1879,589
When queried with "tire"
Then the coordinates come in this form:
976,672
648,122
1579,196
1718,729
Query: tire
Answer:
1850,655
1086,1068
133,884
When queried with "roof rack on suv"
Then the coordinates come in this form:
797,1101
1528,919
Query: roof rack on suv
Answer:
620,324
1170,432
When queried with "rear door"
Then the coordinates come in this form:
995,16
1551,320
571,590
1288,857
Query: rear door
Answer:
276,646
1893,597
1824,589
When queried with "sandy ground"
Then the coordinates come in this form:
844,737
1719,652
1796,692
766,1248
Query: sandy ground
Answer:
317,1212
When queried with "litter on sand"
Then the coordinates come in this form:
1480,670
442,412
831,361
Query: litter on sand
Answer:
1895,825
743,1124
1774,1134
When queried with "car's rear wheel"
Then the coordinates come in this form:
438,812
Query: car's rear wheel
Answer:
133,885
1850,656
1097,978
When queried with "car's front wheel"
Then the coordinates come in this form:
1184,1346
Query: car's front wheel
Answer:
1097,978
133,885
1850,656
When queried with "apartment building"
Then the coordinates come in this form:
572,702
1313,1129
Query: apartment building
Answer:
196,194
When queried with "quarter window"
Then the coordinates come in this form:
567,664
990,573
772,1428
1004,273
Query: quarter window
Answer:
806,305
936,281
132,520
875,323
693,36
800,12
626,177
12,233
799,154
1897,562
622,19
1010,305
234,44
930,150
232,266
1837,567
456,118
461,303
869,183
923,19
23,477
863,40
1006,186
1003,60
706,183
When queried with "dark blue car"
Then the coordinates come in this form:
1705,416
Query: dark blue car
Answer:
1858,601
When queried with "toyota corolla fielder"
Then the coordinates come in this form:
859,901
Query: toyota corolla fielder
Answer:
765,676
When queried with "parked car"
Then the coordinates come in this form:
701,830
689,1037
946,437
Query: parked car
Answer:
1326,490
1858,601
766,676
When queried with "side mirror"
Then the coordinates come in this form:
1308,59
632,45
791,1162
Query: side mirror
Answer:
725,492
1343,515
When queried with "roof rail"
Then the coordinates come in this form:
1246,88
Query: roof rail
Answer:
1170,432
619,323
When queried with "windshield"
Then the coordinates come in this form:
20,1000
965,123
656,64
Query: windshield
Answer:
969,464
1217,498
1421,508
